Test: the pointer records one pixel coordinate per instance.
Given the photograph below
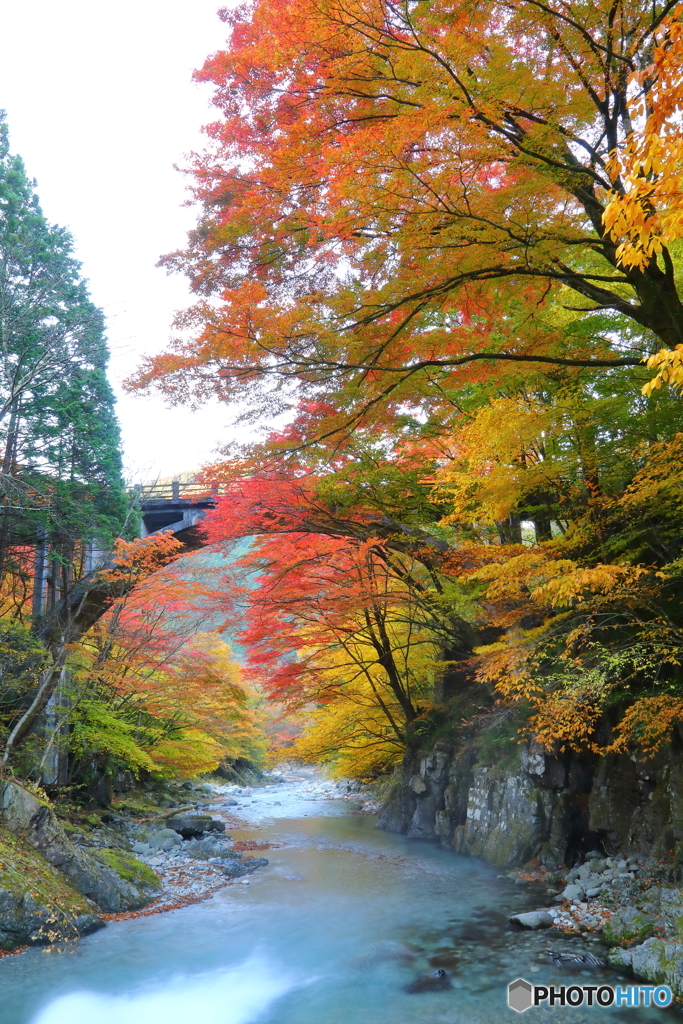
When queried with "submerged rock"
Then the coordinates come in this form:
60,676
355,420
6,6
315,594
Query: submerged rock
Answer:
436,982
572,959
534,919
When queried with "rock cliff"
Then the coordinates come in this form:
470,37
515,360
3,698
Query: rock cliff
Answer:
533,805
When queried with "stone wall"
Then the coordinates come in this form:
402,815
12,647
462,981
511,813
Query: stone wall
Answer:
551,808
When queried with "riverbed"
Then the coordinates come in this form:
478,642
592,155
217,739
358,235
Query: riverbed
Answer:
344,917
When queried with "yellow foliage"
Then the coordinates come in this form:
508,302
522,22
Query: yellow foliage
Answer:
497,457
358,725
669,365
351,735
645,212
193,752
197,709
648,723
613,582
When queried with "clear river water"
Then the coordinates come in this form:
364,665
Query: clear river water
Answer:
331,932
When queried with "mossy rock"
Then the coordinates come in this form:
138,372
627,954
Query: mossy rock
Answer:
135,804
73,830
130,868
38,905
657,960
627,926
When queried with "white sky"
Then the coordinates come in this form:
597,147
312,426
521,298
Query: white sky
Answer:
100,104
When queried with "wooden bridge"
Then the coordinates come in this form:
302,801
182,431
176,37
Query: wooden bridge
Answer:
178,507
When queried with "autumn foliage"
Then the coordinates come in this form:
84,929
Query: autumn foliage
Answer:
444,242
151,689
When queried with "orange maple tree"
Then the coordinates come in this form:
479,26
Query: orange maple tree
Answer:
397,200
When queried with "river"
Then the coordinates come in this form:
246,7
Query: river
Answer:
330,932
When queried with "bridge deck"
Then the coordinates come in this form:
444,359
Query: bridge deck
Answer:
176,506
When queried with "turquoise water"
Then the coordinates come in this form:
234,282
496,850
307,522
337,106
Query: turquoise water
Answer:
330,933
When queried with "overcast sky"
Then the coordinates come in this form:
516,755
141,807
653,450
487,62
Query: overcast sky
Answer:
100,104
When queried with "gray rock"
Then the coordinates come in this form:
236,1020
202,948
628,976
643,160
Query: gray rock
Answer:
165,839
190,825
594,891
584,871
210,846
671,909
534,919
25,921
573,892
142,848
86,924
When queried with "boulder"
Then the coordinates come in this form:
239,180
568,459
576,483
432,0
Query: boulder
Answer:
534,919
26,920
210,846
37,903
165,839
573,892
189,825
671,909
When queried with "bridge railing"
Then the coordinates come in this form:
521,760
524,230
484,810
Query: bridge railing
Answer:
176,490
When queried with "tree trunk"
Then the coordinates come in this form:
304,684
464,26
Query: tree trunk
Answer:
49,681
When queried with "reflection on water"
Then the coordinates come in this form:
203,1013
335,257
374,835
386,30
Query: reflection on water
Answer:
332,932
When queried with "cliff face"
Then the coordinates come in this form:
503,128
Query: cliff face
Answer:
552,808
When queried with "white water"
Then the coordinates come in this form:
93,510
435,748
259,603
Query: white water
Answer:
330,933
235,996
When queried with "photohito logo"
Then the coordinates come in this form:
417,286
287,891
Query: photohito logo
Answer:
522,995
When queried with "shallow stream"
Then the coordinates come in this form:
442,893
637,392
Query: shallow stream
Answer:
344,917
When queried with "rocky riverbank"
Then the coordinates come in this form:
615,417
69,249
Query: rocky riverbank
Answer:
628,903
60,880
617,820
